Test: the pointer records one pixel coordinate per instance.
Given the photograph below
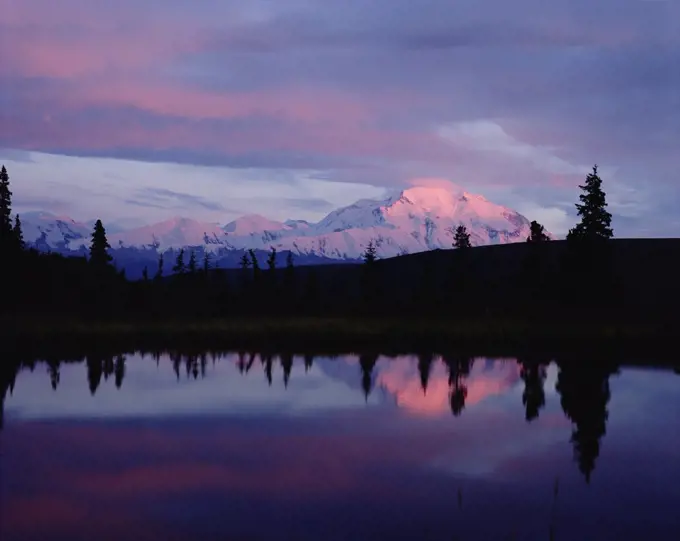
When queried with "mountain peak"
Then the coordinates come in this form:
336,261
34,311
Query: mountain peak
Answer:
250,223
434,197
415,219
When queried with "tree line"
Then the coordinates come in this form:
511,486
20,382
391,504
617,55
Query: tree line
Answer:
45,285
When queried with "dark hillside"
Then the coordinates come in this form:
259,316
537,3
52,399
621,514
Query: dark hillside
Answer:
617,281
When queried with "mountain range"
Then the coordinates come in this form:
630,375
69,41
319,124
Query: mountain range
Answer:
409,221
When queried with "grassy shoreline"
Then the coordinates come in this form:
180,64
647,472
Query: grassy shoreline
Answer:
345,335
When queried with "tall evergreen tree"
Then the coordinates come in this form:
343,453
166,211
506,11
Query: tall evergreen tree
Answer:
425,361
256,265
370,254
595,219
179,267
244,262
461,238
99,255
145,274
193,267
206,263
271,259
18,233
5,209
159,271
537,233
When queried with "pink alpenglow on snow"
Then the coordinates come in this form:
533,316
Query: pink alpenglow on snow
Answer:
413,220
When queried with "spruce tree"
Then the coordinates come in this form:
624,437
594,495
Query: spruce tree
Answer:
595,219
370,254
244,262
537,233
145,274
271,259
5,209
255,264
370,280
461,238
159,270
206,263
18,234
179,267
99,255
192,263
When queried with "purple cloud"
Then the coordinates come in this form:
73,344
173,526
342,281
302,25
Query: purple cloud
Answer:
365,92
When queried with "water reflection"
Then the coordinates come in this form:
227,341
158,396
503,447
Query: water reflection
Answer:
301,438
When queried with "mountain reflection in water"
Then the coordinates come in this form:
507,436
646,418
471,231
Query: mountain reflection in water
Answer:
274,446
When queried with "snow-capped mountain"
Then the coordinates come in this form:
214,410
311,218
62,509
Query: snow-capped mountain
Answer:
176,233
46,231
412,220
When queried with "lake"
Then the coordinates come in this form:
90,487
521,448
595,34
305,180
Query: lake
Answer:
352,447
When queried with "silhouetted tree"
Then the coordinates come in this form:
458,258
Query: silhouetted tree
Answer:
119,371
588,271
18,234
192,263
584,395
268,363
94,373
99,255
595,219
370,286
206,263
179,267
533,373
537,233
6,234
370,254
176,360
271,260
9,368
367,363
461,238
107,366
424,368
287,365
255,264
53,371
159,271
145,273
458,368
309,361
203,358
244,262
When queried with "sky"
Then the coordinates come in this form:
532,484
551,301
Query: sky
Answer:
136,111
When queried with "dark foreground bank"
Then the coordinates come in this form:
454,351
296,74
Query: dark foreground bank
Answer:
634,342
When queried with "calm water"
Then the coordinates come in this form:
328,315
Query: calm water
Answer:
357,448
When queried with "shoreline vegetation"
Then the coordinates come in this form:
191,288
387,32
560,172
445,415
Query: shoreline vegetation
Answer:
588,292
639,344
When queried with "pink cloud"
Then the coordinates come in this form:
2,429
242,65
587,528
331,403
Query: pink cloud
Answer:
308,105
